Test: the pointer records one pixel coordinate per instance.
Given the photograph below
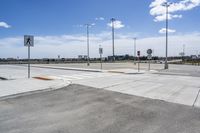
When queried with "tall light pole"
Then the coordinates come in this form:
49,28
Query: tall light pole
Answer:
184,49
183,53
135,50
113,37
88,43
166,4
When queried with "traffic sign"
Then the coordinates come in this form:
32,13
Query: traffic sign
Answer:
182,54
149,56
138,53
28,40
149,51
100,50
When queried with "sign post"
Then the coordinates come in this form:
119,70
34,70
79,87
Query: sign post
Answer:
149,57
138,53
28,42
100,52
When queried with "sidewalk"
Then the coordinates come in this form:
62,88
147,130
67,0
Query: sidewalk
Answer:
20,86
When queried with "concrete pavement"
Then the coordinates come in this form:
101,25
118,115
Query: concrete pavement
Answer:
81,109
106,66
183,70
172,88
176,89
22,86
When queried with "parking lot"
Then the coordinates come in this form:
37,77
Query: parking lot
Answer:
80,99
81,109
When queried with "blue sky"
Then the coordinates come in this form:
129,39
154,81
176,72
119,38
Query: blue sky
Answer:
54,17
58,18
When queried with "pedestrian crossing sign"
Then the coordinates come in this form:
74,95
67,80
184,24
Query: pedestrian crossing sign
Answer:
29,40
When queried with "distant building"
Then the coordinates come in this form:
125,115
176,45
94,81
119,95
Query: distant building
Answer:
85,57
193,56
10,59
80,57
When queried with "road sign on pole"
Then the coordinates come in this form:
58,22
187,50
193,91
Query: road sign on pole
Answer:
100,52
149,56
28,42
149,51
138,53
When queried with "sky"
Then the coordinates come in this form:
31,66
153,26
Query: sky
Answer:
59,28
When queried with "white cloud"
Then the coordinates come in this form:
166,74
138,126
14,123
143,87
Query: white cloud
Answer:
100,18
74,45
93,24
117,24
163,30
159,12
82,26
163,17
4,25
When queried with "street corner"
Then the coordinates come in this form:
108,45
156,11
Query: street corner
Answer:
19,86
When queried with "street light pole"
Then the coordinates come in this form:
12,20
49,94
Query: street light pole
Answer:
166,4
183,54
100,52
184,49
88,41
135,50
113,37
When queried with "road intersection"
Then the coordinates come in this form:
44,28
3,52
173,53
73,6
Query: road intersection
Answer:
75,100
167,87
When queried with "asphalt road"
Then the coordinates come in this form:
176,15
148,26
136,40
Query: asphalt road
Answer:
81,109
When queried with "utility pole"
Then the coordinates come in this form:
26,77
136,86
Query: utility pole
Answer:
166,4
88,48
113,37
135,50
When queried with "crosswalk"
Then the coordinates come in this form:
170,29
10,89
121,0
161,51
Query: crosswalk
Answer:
82,76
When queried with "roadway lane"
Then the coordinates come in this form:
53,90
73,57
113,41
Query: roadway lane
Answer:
80,109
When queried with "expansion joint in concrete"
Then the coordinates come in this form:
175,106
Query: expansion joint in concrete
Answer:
196,99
